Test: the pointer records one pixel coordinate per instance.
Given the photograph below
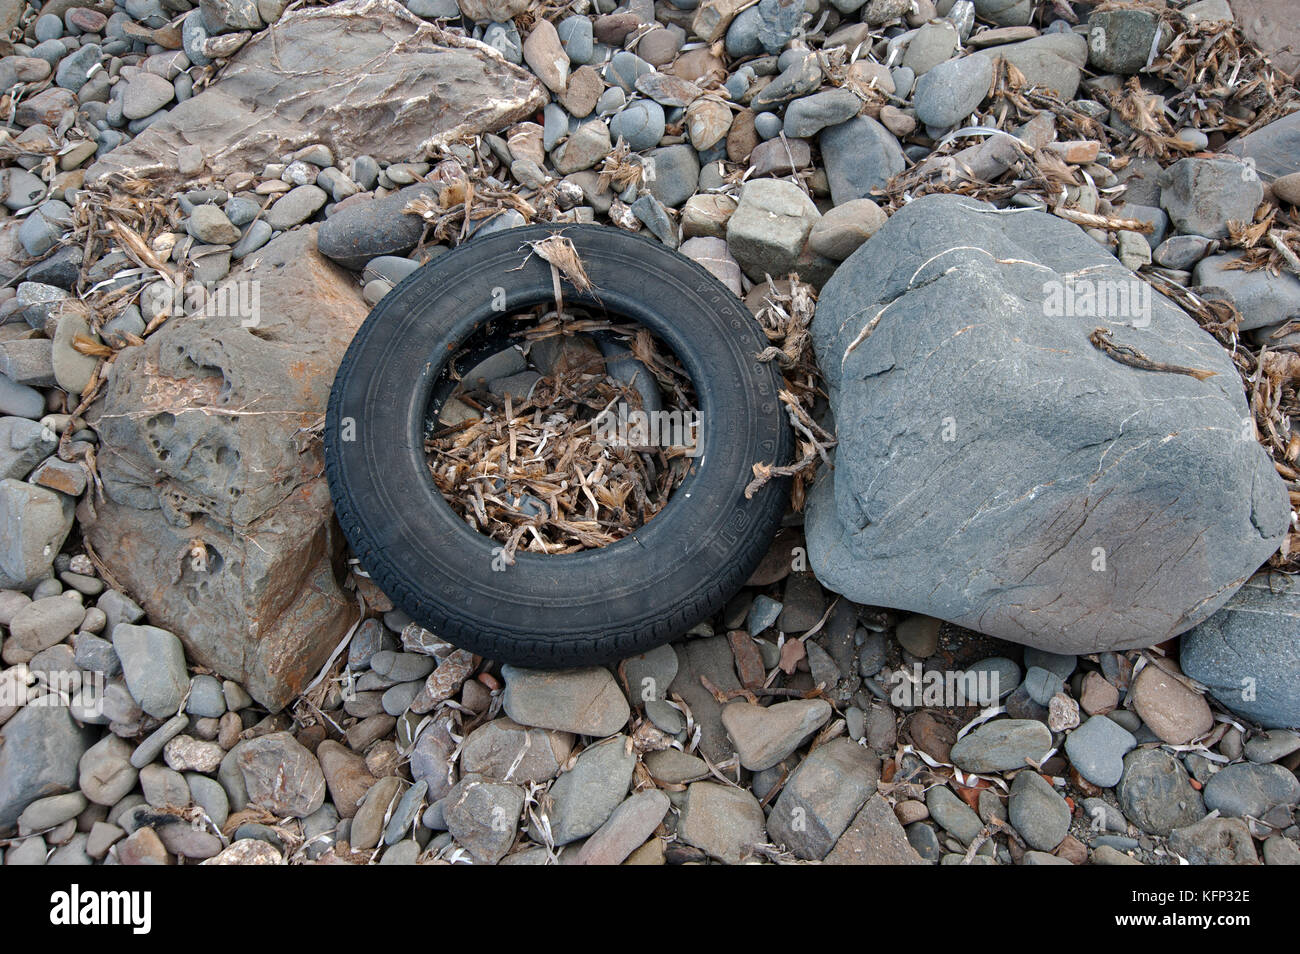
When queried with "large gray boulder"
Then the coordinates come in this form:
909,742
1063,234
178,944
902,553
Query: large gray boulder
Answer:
362,76
1248,653
202,441
997,470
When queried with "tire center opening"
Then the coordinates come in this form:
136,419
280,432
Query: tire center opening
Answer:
554,432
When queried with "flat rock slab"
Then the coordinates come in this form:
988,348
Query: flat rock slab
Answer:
722,821
362,76
874,837
200,432
582,701
1080,503
822,797
765,736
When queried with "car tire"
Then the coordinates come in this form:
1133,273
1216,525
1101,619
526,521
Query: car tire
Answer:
573,609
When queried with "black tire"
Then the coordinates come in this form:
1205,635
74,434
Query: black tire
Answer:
574,609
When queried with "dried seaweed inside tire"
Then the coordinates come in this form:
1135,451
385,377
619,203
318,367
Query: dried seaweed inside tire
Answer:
538,473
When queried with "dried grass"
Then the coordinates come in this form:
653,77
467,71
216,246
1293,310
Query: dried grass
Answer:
785,319
536,475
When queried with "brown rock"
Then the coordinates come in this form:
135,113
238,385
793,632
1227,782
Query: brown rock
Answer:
583,149
395,86
659,46
47,107
765,736
931,736
999,35
651,853
142,847
867,75
546,57
1097,696
67,477
698,64
840,232
742,137
707,121
11,11
910,811
368,823
1174,712
874,837
525,142
345,775
707,215
263,606
667,89
712,17
1077,151
714,255
383,759
1072,850
1106,855
749,661
181,838
311,736
12,253
60,7
86,20
896,121
368,730
613,28
1287,188
29,69
583,91
475,697
228,731
721,821
445,681
505,751
919,635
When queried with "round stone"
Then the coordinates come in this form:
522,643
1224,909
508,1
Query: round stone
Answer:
640,125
